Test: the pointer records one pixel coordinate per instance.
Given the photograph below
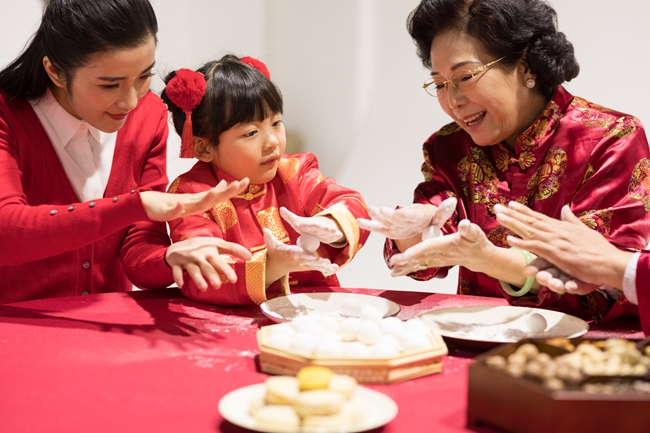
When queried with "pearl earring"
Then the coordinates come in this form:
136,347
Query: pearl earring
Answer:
530,83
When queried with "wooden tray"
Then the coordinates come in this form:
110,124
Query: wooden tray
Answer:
404,367
522,405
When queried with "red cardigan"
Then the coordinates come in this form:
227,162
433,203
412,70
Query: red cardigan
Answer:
52,245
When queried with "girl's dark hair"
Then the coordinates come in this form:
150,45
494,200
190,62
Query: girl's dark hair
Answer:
235,93
71,31
504,28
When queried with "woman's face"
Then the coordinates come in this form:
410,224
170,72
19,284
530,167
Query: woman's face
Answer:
252,150
498,106
108,87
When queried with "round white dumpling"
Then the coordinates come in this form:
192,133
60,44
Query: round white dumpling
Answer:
383,350
308,242
368,332
351,307
329,349
356,349
416,342
303,343
300,322
370,313
390,340
329,336
279,341
536,323
417,326
392,325
284,328
349,329
329,323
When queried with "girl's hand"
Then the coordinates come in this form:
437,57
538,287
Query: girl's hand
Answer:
289,258
469,247
410,221
162,206
200,258
323,229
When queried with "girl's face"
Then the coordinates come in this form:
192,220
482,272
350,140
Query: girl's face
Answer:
108,87
252,149
498,107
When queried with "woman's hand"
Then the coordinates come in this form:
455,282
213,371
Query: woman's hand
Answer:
573,248
316,229
410,221
200,258
469,247
283,258
162,206
549,275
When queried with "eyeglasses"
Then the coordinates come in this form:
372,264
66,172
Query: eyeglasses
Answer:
462,80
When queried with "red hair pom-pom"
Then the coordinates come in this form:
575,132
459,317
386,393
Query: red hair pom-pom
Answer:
260,66
186,89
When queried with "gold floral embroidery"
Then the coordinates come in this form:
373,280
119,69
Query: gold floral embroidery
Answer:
225,215
599,220
546,180
498,236
174,186
288,168
525,161
593,115
449,129
542,128
467,287
270,219
588,173
478,177
523,200
427,167
640,184
503,161
623,127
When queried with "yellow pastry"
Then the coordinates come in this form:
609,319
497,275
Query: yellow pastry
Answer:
314,377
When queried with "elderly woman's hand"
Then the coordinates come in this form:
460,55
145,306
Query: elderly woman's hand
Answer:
569,245
549,275
469,247
410,221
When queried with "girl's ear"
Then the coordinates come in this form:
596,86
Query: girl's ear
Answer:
53,72
202,149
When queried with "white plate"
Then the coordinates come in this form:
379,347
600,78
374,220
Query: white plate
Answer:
286,308
234,407
503,324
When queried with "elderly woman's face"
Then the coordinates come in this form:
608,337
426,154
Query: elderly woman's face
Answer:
496,107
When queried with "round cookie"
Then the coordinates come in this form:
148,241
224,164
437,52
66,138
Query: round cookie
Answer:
343,384
277,415
319,402
282,390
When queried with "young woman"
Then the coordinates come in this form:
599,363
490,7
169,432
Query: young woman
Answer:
82,161
236,132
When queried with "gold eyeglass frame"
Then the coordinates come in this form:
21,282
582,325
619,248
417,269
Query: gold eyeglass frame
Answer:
454,82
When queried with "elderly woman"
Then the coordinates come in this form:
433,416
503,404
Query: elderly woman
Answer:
497,68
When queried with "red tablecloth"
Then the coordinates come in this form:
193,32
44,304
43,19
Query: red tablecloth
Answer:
157,362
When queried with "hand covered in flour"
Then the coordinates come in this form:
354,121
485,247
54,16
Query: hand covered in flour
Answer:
283,258
469,247
410,221
576,259
313,230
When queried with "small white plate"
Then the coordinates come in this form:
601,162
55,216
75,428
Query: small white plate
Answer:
235,405
502,324
286,308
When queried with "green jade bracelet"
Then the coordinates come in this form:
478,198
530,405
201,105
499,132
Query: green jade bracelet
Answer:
529,281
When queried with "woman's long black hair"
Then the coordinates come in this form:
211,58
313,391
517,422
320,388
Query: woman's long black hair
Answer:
71,31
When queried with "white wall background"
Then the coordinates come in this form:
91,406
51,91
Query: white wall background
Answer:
351,82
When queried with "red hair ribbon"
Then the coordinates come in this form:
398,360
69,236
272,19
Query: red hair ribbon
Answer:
260,66
186,90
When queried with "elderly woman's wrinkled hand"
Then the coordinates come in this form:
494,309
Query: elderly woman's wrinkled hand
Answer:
295,258
410,221
549,275
469,247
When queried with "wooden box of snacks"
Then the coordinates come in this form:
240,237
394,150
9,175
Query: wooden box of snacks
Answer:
406,364
559,385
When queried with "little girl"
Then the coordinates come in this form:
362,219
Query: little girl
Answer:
297,223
